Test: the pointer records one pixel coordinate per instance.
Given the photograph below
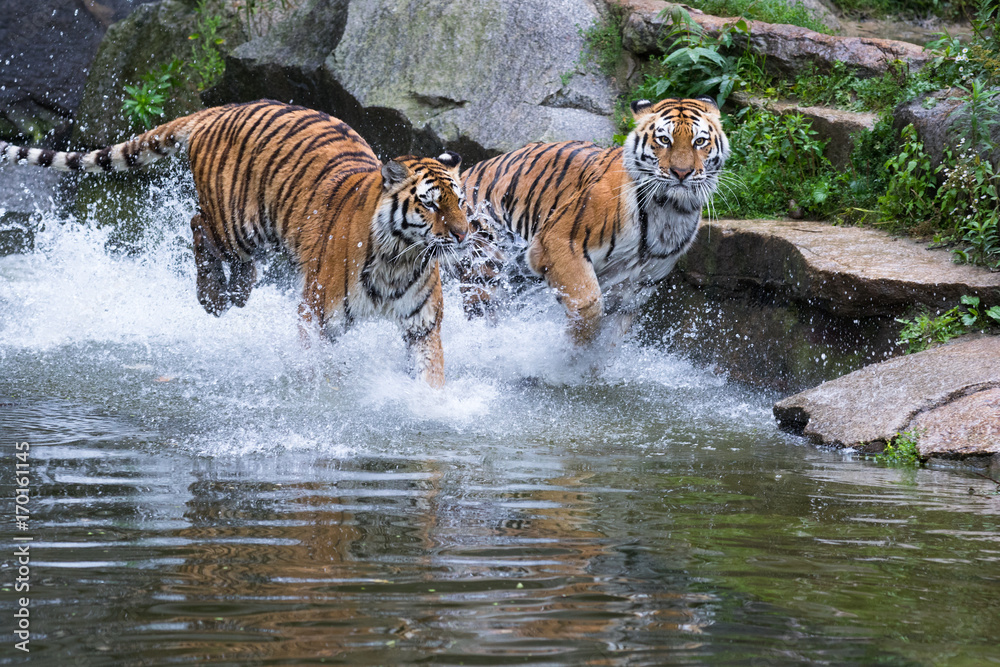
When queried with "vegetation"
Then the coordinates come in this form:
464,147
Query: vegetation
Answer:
902,450
778,165
144,101
925,330
603,41
769,11
206,63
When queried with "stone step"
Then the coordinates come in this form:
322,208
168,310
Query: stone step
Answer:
948,395
845,271
787,48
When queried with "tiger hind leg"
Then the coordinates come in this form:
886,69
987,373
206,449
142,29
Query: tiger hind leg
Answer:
213,294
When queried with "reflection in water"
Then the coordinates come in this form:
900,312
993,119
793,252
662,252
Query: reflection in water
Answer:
205,491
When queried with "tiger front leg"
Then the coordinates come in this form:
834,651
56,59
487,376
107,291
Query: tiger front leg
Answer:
572,276
213,294
426,356
422,334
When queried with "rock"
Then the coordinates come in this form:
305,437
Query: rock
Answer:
152,35
47,49
789,304
844,271
949,391
481,77
824,12
787,49
967,426
835,126
941,119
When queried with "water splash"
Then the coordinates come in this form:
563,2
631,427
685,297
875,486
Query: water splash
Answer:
84,321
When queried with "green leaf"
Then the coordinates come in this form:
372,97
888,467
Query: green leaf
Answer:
970,300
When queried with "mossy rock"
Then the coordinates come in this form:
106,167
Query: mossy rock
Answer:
151,36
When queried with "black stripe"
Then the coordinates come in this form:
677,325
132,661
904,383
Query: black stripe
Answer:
45,159
103,159
22,153
73,161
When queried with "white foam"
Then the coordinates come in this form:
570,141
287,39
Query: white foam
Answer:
243,384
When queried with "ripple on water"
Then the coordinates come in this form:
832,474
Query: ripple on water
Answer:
207,491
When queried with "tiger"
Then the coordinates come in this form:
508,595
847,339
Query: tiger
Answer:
367,238
601,226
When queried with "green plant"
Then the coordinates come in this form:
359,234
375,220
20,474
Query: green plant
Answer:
777,160
144,102
973,317
902,450
910,196
969,200
696,63
206,59
925,331
982,109
769,11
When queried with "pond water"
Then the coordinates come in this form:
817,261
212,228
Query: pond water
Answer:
205,491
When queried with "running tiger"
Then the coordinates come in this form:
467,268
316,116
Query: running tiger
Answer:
367,237
601,226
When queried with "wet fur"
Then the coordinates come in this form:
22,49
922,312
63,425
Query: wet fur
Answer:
602,225
368,238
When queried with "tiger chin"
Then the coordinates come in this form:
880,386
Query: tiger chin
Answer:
601,226
368,238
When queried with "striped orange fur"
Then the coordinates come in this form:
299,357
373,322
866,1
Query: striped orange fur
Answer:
368,238
601,225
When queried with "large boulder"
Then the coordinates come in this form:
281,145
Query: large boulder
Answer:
948,395
46,47
787,49
478,76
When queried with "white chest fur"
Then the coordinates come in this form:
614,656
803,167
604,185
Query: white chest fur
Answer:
652,240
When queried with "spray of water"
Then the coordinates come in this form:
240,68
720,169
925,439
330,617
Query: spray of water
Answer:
82,320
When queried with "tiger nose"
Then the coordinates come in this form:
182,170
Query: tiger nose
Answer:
681,174
459,235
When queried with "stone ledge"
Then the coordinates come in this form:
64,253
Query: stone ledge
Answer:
844,271
787,48
949,394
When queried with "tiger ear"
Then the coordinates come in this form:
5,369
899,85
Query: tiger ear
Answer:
640,107
393,173
709,100
451,160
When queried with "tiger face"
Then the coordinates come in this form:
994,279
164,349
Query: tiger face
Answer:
677,150
422,201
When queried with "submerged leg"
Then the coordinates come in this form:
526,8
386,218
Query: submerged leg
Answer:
211,281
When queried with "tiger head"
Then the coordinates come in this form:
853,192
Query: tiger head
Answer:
422,202
677,150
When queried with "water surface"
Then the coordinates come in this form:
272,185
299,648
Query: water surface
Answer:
206,491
